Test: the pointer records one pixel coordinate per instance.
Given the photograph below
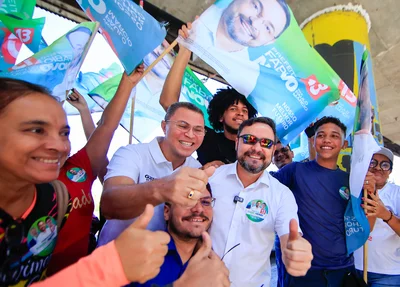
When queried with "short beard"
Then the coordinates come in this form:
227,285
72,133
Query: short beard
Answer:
230,129
230,27
185,235
248,167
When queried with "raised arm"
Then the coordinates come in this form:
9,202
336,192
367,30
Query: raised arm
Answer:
172,86
79,102
98,144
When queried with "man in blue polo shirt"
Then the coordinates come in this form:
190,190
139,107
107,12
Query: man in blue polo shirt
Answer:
185,226
317,186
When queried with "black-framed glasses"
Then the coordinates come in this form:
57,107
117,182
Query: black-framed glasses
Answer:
282,150
384,165
252,140
186,127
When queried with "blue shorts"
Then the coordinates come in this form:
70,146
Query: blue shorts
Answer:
381,280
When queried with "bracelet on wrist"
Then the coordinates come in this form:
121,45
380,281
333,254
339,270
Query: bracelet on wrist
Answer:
391,215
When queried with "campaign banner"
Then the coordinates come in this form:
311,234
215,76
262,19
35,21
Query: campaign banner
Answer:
57,66
340,35
261,51
131,32
20,8
194,91
364,146
29,31
86,82
16,28
148,111
15,32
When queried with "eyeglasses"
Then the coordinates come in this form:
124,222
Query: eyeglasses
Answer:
384,165
186,127
252,140
207,201
282,150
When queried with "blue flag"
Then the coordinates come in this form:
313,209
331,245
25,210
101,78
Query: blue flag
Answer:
275,68
57,66
131,32
364,146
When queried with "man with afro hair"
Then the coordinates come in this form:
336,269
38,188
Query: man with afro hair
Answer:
226,111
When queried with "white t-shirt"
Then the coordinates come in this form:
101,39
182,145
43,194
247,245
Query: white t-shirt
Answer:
235,67
142,163
383,243
253,227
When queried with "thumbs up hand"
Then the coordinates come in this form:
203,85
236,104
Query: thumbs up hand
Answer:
296,251
205,268
141,251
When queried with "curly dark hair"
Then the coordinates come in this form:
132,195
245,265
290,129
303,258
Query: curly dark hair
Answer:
221,101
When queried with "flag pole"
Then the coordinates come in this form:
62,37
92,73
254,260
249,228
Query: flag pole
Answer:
149,68
365,249
166,51
133,100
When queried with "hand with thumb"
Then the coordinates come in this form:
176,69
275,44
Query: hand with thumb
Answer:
293,230
144,219
204,268
296,253
142,251
210,170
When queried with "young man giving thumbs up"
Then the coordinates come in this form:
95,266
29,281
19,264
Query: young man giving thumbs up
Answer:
250,207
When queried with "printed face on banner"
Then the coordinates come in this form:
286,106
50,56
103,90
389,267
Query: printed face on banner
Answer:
251,23
250,43
161,69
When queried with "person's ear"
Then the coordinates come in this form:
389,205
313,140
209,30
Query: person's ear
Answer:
236,143
345,144
163,126
167,211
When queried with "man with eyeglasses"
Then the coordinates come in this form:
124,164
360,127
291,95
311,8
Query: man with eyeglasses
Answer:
226,111
185,225
156,172
384,240
318,187
283,155
242,234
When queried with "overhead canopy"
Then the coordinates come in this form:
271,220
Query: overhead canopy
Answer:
384,38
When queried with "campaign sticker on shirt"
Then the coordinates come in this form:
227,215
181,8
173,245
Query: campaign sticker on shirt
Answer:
344,192
42,235
76,174
256,210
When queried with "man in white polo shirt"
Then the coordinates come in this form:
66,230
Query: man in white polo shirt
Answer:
238,189
156,172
